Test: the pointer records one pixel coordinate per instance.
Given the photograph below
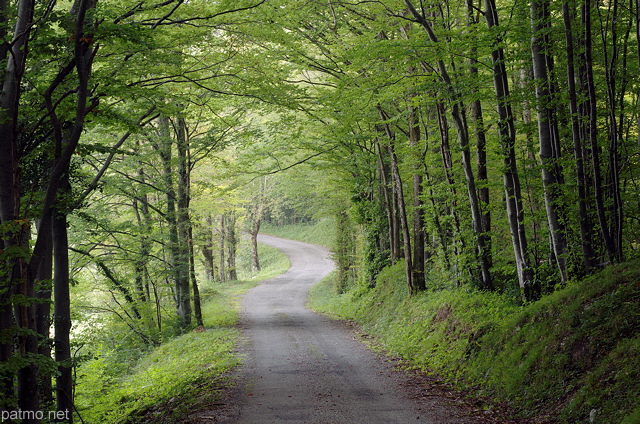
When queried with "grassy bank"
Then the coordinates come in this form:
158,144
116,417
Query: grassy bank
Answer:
321,232
572,357
185,373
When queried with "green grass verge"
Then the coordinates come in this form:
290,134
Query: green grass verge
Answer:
184,374
572,355
321,232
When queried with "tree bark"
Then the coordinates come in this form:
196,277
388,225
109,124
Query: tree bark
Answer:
419,235
399,202
588,254
256,212
507,134
15,54
388,201
462,130
179,268
223,242
486,260
197,304
62,314
231,244
592,113
44,281
183,223
611,60
549,152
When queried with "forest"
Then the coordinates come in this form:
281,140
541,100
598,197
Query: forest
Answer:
486,145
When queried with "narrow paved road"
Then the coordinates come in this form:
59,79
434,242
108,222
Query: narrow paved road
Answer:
305,368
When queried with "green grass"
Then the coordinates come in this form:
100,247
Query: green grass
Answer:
321,232
183,374
569,355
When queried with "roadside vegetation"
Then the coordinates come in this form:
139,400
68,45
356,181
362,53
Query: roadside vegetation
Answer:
120,379
486,146
573,356
320,232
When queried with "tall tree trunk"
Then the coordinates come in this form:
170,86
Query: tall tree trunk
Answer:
25,313
183,222
44,277
592,113
392,221
197,304
447,164
143,216
507,133
588,254
419,236
179,269
231,244
207,250
549,153
399,202
62,315
486,260
223,242
462,130
256,212
14,53
255,258
611,60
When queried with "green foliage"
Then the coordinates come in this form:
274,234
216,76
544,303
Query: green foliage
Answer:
569,355
321,232
176,368
273,263
123,380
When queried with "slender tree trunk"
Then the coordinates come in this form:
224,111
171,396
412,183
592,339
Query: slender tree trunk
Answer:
486,260
419,236
62,315
207,250
223,237
593,131
399,203
256,211
588,254
25,314
197,304
14,53
611,59
179,262
44,279
462,130
183,222
549,154
447,164
231,243
392,222
507,133
255,258
144,223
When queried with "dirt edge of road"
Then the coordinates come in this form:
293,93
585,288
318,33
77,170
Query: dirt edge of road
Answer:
434,395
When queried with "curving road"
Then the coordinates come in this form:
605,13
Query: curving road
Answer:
304,368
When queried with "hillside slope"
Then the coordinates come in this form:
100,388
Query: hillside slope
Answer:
573,356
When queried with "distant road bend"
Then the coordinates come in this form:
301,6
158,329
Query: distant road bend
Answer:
302,367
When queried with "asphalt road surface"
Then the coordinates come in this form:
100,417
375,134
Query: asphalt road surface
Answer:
302,367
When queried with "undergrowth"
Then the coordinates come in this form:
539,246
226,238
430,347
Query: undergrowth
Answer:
321,232
125,382
573,356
